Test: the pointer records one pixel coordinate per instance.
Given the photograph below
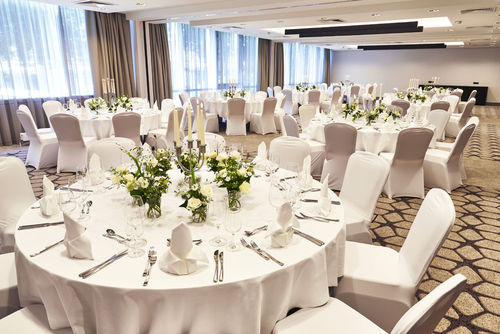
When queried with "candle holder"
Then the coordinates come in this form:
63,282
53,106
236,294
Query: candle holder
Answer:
201,157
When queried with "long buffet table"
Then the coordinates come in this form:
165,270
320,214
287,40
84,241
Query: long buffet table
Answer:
482,92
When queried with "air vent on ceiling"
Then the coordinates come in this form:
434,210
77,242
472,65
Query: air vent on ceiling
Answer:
478,10
232,27
95,3
479,27
330,20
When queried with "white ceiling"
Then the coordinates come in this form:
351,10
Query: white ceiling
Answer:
256,17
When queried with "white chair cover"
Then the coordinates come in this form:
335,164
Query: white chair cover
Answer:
453,100
52,107
290,107
269,92
406,176
438,118
128,125
458,121
276,90
236,124
326,106
184,122
9,298
286,150
167,105
461,105
443,105
111,151
403,104
183,98
16,196
260,95
31,319
279,111
72,154
360,192
264,123
43,148
161,138
290,126
23,135
354,92
313,97
379,282
340,143
306,113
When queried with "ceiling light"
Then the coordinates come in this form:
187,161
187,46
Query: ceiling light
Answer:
350,47
140,4
450,30
433,10
458,22
454,43
376,14
280,21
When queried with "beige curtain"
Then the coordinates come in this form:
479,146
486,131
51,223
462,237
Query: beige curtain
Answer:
161,75
279,65
264,63
328,66
111,51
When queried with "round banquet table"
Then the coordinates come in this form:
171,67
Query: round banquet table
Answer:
255,293
101,126
220,108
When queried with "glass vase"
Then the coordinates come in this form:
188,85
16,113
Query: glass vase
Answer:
154,207
233,199
199,216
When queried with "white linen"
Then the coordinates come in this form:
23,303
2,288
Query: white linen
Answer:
260,160
49,203
283,233
324,204
305,176
111,298
77,239
95,172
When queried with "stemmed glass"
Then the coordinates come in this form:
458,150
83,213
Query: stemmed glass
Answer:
272,164
84,183
220,213
232,224
66,202
134,229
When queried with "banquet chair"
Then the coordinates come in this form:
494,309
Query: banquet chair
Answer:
9,298
111,151
291,127
43,148
276,90
52,107
461,105
340,143
367,102
210,119
430,93
72,154
269,92
260,95
167,105
404,105
337,317
369,89
355,89
323,86
279,111
289,107
306,114
288,150
313,98
183,98
236,123
438,118
406,175
458,92
453,99
30,320
23,135
326,106
379,282
360,192
128,125
214,142
185,118
444,169
164,138
16,195
442,105
263,123
458,121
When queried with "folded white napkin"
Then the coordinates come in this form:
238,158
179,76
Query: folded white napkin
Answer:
324,203
49,203
260,160
77,240
283,233
95,170
305,176
182,258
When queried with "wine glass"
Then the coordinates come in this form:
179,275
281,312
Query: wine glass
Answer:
277,192
66,202
220,213
84,181
294,192
232,224
134,228
272,164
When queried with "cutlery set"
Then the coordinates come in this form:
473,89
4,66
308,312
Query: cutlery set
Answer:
152,258
28,227
219,266
302,215
262,253
310,200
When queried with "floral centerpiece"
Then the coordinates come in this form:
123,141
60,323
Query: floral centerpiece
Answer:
412,97
428,88
304,88
242,92
124,102
149,178
371,115
231,93
395,113
196,198
349,109
232,173
96,104
188,160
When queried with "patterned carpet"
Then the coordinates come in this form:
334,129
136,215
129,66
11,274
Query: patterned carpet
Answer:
472,248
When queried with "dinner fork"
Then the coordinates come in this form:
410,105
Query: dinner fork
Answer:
255,246
255,231
245,244
319,217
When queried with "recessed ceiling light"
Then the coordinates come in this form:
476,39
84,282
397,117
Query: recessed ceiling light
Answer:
280,21
458,22
433,10
450,30
454,43
140,4
376,14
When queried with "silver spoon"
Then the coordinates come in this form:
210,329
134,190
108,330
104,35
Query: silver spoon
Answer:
89,204
112,233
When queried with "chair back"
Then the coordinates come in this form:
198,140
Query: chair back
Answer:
67,129
111,151
424,316
323,86
364,179
453,100
269,107
269,92
439,118
286,150
16,194
444,105
306,113
52,107
335,97
461,141
195,101
128,125
355,90
288,101
260,95
403,104
340,140
167,105
291,127
281,101
457,92
277,90
467,113
367,102
28,125
411,146
170,127
369,89
214,142
236,108
183,97
472,94
313,96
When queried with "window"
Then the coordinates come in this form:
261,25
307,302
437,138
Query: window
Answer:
44,51
203,59
303,64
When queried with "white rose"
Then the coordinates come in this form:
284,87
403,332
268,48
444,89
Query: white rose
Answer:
211,155
245,187
193,203
116,179
128,177
222,156
206,191
242,171
235,155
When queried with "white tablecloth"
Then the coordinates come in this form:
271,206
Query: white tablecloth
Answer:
302,97
255,293
220,107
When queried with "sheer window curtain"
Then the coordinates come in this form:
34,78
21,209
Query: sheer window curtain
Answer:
303,64
44,56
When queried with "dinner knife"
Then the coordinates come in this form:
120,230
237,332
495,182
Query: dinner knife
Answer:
308,237
98,267
47,248
310,200
76,189
27,227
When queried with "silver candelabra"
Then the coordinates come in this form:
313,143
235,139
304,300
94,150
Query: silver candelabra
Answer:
200,157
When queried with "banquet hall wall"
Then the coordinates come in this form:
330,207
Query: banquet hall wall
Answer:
394,67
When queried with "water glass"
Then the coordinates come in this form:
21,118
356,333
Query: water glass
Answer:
219,209
232,223
135,228
66,201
